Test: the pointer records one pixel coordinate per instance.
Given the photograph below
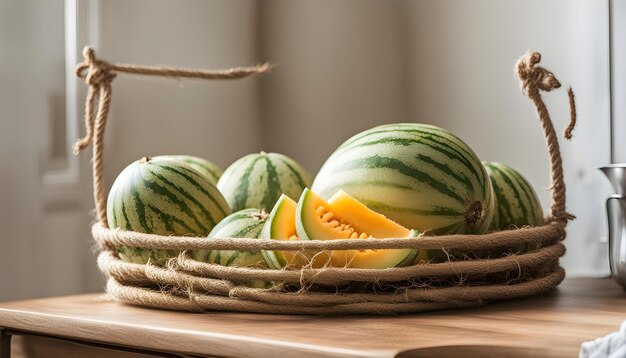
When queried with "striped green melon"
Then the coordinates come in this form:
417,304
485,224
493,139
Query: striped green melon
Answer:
420,176
209,170
246,223
163,197
516,199
258,180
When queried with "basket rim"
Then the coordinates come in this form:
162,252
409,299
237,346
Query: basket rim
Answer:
110,238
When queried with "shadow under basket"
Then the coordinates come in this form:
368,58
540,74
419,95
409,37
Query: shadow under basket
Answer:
483,268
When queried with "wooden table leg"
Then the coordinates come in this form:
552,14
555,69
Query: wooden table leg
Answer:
5,344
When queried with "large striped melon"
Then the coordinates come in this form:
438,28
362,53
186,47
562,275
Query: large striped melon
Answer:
257,181
209,170
420,176
516,199
246,223
163,197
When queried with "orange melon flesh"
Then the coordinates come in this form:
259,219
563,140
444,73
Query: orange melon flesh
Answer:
281,225
344,217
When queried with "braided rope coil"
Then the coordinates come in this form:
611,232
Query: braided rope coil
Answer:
469,281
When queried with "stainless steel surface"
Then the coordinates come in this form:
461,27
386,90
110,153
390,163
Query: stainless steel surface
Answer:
616,211
616,173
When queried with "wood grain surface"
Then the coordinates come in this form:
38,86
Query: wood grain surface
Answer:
552,325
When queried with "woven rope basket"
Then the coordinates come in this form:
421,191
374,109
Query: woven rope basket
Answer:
480,268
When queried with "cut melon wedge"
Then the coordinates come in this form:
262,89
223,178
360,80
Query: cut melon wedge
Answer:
281,225
344,217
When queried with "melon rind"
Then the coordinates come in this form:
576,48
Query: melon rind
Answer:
246,223
258,180
420,176
162,197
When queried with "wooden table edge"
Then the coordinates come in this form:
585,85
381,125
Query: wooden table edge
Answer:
185,343
62,317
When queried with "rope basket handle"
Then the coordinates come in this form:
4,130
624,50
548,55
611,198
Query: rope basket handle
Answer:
100,74
534,78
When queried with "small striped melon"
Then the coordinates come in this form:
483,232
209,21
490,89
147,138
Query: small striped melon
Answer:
246,223
163,197
516,200
209,170
420,176
258,180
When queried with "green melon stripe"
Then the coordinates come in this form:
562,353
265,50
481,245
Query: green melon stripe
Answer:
169,220
207,215
530,193
169,226
113,217
234,168
243,214
377,161
454,155
197,185
208,168
234,256
241,195
496,175
456,140
460,155
140,210
121,213
295,172
449,141
379,183
469,185
511,184
411,129
273,187
528,202
438,210
218,256
504,207
125,215
246,230
160,190
449,136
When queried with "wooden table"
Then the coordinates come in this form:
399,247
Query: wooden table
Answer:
552,325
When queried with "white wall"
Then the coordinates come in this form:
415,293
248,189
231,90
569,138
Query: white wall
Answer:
218,120
341,69
43,245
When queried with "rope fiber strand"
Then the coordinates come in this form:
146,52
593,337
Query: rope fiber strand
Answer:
479,269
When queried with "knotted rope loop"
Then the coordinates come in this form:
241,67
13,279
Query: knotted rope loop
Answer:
98,77
98,71
534,78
